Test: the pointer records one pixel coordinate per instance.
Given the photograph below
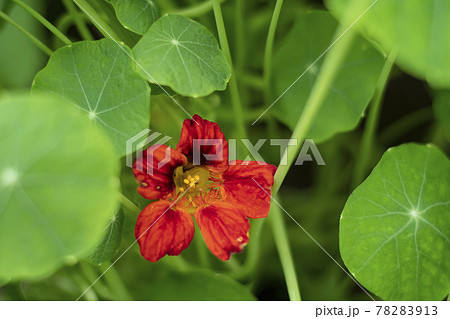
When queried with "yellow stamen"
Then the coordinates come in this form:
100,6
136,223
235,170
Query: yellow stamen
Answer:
191,180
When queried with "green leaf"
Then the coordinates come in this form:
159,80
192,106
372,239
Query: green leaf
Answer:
197,285
441,107
417,29
351,90
395,227
136,15
58,185
184,55
109,245
98,77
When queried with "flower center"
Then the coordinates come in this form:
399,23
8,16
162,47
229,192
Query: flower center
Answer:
190,178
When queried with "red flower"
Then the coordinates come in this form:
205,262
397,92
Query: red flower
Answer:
196,179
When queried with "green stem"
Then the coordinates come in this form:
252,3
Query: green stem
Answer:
269,50
78,20
282,243
115,282
240,51
90,294
65,21
368,137
235,98
115,288
44,22
32,38
196,10
253,81
253,251
233,264
95,18
6,8
128,204
324,80
91,275
201,248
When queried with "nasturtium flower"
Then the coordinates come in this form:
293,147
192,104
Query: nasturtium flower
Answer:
196,179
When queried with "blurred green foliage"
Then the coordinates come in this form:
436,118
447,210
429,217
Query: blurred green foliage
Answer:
18,70
313,195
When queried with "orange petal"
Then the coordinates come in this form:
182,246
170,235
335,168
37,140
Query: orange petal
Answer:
249,185
224,228
154,171
161,230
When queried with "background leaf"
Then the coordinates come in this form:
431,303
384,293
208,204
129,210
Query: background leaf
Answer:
351,90
14,71
58,185
417,29
110,241
441,107
98,77
197,285
136,15
395,227
183,55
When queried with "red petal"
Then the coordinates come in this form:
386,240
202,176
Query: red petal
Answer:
156,182
161,230
249,185
199,128
224,228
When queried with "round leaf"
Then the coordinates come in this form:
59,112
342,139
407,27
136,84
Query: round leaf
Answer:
58,185
395,227
184,55
417,29
136,15
351,90
98,77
